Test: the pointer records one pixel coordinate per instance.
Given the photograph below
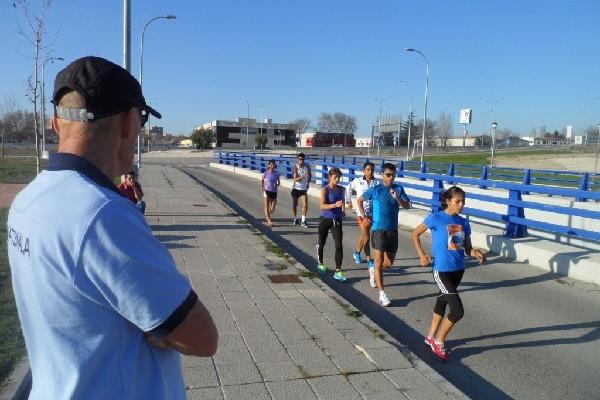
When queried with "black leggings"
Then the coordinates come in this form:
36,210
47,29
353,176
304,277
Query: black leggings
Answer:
447,283
325,224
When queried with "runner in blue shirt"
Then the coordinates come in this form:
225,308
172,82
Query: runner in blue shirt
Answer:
386,200
451,242
270,182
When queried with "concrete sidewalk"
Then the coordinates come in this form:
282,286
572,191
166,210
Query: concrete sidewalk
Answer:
277,340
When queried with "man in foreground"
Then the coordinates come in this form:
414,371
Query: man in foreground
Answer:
104,311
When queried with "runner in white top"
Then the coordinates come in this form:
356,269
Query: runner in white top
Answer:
360,185
302,177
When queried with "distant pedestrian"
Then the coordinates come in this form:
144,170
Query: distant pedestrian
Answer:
302,177
386,201
331,203
132,189
451,242
103,309
269,183
360,186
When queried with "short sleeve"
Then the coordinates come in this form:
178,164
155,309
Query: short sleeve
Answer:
467,228
368,194
122,265
429,221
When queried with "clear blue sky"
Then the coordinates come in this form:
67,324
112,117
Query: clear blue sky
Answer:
541,59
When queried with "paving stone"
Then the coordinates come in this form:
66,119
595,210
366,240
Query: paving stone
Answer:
227,355
200,377
204,394
191,361
407,378
238,373
279,370
426,393
388,358
291,390
333,387
257,391
373,382
397,395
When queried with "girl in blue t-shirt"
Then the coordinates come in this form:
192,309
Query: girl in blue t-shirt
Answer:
451,242
270,182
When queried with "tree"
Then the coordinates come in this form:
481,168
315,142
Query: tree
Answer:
429,131
444,128
36,26
302,123
203,138
413,128
261,140
337,122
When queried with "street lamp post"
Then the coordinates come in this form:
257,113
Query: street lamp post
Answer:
248,125
426,90
44,100
261,121
494,125
139,149
380,100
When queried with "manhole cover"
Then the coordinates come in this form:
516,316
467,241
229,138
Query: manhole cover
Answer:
284,278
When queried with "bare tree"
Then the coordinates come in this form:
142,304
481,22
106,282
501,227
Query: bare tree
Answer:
444,128
302,123
34,34
543,131
338,122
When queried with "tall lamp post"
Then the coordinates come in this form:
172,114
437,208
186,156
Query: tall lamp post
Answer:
139,148
51,59
494,125
380,100
597,150
248,125
426,90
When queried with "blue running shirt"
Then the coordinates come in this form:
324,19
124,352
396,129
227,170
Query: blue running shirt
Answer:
448,234
385,207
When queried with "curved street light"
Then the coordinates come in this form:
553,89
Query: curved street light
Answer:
51,59
139,150
426,89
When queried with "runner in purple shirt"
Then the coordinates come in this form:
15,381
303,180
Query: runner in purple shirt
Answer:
269,183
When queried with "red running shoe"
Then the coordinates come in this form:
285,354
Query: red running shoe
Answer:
429,341
439,350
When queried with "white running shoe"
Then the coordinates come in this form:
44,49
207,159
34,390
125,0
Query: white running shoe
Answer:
372,277
383,299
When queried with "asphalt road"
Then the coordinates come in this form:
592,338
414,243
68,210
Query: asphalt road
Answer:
526,334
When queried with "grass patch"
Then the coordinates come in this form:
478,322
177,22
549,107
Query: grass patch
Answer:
12,345
375,332
19,170
307,274
354,313
273,248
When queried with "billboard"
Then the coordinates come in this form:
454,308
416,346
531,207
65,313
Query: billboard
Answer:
569,131
465,116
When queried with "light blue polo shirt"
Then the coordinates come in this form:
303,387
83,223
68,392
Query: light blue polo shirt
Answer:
89,279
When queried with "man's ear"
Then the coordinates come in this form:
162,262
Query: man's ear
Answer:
129,124
54,123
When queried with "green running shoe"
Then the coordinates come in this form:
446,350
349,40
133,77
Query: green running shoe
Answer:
340,276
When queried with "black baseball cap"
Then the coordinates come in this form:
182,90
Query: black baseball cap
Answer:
107,88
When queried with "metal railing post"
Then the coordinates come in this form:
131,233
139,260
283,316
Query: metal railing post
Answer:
484,176
436,195
513,229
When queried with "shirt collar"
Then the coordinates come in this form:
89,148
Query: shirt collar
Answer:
72,162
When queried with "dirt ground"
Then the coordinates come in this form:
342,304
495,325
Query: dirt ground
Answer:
573,162
8,191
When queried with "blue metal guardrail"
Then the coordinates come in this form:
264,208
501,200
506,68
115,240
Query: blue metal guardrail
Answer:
515,222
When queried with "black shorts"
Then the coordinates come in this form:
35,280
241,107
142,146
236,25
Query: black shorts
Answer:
298,193
385,241
271,195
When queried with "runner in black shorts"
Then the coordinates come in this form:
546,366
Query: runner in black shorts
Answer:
386,201
451,242
302,177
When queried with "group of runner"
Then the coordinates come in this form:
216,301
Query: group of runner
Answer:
378,204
